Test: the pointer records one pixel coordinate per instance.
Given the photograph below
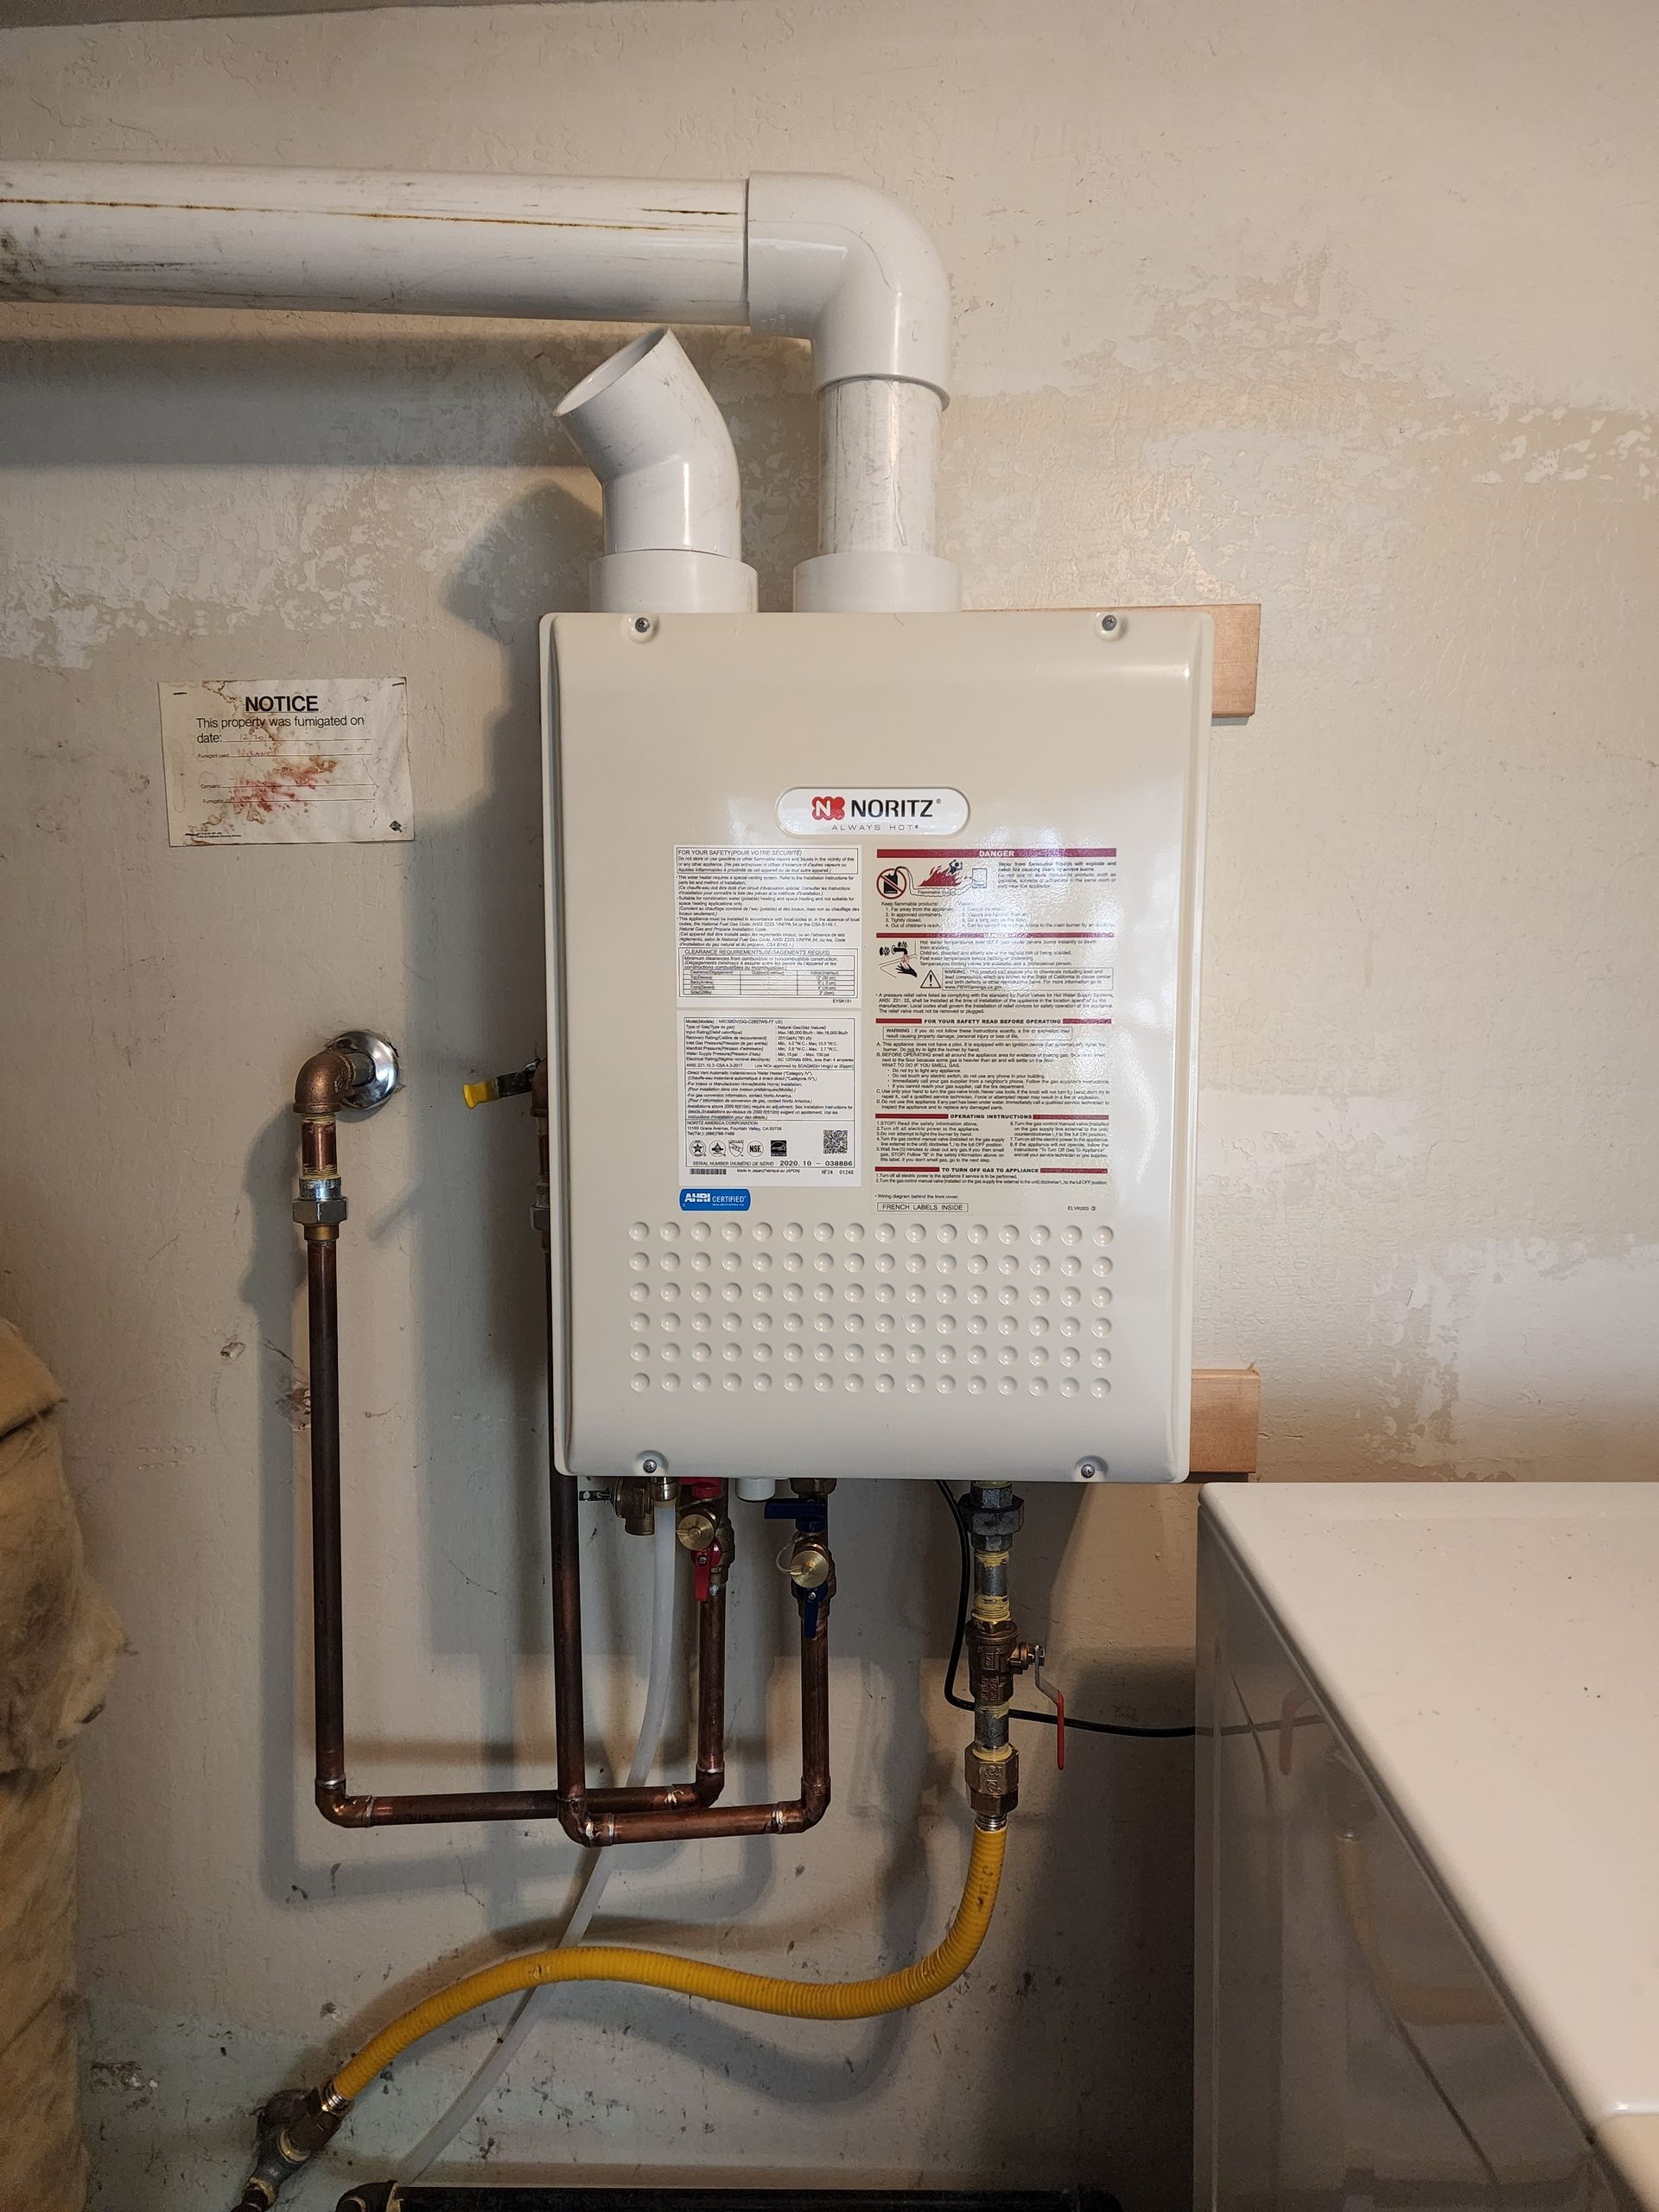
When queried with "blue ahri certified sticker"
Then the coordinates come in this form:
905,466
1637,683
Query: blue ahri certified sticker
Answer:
713,1199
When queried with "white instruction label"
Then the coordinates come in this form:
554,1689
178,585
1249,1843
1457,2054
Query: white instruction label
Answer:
769,952
994,1006
318,760
770,1098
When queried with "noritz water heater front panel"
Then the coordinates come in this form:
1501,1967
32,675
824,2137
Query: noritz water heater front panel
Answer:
873,954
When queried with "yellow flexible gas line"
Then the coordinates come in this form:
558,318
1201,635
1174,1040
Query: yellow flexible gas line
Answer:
754,1992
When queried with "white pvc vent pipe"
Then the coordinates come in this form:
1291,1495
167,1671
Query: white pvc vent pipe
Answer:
808,257
602,249
659,446
878,466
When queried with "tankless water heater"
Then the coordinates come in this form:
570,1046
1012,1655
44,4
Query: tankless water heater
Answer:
873,949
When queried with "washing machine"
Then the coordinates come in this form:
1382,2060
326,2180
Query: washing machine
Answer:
1428,1846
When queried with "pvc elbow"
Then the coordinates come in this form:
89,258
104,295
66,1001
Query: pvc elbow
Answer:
841,263
647,427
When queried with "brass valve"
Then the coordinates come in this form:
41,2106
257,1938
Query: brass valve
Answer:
810,1564
638,1497
722,1552
697,1526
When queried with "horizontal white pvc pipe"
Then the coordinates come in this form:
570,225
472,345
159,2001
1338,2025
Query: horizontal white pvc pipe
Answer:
589,249
810,257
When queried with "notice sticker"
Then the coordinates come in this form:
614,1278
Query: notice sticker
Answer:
318,760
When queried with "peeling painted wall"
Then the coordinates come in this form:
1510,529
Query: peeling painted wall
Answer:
1346,309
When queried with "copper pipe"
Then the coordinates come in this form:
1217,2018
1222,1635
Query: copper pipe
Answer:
711,1697
327,1607
570,1716
597,1817
711,1730
334,1802
414,1810
569,1720
590,1825
659,1813
318,1155
322,1078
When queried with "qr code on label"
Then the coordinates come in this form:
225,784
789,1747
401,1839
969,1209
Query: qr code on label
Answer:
834,1141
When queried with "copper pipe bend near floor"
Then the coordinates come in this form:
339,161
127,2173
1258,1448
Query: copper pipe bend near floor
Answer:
590,1817
319,1092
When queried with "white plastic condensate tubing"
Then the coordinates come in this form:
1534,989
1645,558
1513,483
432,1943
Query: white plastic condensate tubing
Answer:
596,1870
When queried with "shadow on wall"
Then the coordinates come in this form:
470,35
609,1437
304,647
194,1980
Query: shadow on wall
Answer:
358,398
472,895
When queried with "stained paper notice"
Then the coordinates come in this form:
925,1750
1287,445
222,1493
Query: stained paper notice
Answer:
768,959
994,1010
306,761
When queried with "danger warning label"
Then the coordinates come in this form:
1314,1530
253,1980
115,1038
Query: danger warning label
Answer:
993,982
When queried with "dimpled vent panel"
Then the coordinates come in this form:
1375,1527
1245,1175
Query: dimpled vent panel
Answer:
985,1307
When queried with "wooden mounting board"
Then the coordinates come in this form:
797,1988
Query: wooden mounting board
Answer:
1238,646
1226,1423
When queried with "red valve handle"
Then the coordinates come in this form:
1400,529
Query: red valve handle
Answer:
704,1562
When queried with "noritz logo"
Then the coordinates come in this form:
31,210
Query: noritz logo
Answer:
805,812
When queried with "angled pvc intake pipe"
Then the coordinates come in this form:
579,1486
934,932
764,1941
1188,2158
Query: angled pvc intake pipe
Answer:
646,425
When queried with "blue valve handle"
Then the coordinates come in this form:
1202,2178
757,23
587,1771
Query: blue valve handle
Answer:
809,1515
812,1518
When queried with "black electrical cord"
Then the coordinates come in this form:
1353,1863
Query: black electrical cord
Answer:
953,1696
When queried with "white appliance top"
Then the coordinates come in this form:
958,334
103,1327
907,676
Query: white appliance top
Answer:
1493,1654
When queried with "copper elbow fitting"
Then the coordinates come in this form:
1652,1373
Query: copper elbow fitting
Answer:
319,1087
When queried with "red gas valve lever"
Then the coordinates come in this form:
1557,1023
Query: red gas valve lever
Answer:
1057,1699
705,1562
